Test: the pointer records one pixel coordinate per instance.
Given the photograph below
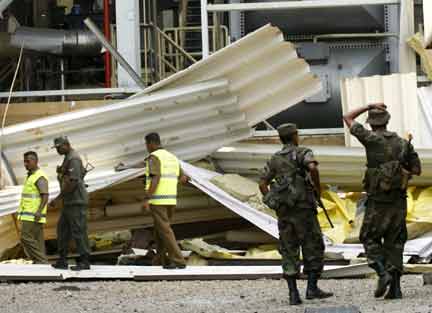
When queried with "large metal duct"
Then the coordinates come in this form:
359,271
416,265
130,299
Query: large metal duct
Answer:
58,42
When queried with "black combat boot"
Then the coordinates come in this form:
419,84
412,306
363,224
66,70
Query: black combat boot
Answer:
82,263
384,278
312,291
294,296
395,289
61,264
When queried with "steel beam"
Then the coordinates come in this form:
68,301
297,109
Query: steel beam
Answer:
309,4
69,92
119,58
204,30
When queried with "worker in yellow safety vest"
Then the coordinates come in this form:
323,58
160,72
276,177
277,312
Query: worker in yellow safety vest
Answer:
162,172
33,209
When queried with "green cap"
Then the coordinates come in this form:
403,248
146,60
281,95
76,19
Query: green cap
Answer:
59,141
287,129
377,117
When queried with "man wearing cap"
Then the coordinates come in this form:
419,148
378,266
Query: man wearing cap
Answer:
73,218
292,174
33,209
391,161
162,171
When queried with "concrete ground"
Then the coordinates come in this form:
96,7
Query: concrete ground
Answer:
263,296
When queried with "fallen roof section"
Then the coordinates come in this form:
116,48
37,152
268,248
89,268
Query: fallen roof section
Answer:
340,166
399,93
35,272
192,120
263,70
11,195
200,178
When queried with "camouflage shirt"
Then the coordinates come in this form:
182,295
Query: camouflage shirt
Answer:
304,156
376,144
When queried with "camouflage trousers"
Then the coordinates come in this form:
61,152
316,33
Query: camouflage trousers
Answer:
384,233
300,231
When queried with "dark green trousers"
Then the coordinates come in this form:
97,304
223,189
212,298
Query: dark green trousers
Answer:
73,225
33,242
384,233
299,230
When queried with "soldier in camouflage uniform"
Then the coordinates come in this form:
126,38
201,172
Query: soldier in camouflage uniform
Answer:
391,160
290,174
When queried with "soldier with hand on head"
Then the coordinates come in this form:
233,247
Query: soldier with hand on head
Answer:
391,161
292,174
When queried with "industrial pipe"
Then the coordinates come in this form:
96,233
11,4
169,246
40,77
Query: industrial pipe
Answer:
354,35
58,42
92,26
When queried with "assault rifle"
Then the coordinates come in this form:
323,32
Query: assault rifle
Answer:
318,199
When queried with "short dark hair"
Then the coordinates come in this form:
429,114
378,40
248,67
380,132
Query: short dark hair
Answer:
32,154
153,138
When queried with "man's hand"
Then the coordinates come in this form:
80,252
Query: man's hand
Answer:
37,216
52,204
145,206
121,167
378,106
184,179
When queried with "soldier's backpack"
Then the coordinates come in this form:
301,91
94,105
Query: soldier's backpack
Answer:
385,165
289,185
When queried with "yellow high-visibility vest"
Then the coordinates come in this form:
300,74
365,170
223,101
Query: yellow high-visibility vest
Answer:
31,199
166,191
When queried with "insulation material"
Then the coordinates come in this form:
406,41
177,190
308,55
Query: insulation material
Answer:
399,93
417,43
264,72
420,210
206,250
269,252
8,233
244,190
237,186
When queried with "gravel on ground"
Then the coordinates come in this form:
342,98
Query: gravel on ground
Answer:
261,296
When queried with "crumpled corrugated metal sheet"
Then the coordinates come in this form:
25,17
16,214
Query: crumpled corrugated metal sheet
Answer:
338,165
11,195
263,70
200,178
399,93
193,121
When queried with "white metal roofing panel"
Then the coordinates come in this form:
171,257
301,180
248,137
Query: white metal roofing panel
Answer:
398,92
263,70
427,21
339,166
10,196
193,121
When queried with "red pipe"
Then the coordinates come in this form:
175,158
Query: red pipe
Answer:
107,32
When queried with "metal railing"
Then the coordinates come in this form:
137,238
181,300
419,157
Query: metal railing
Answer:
163,52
